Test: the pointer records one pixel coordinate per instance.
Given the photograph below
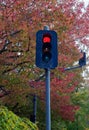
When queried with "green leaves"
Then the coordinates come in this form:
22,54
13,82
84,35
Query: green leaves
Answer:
81,98
10,121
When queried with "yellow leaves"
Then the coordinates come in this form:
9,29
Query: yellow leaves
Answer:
86,128
10,121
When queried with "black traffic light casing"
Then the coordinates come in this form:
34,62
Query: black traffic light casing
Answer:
82,61
46,49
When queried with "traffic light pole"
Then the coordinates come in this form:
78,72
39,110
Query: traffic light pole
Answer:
48,111
48,108
71,68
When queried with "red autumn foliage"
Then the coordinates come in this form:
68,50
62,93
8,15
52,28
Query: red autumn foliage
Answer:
71,25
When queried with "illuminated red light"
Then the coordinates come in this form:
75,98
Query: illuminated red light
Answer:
46,39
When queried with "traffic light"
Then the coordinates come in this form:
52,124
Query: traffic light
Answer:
82,61
46,49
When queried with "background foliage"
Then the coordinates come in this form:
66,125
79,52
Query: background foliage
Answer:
20,20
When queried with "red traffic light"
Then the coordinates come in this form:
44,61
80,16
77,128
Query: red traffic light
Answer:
46,49
46,38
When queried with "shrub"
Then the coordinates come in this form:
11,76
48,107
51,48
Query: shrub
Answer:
10,121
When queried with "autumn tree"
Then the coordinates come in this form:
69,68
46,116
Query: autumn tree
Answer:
20,20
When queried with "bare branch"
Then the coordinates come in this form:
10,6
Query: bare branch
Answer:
19,64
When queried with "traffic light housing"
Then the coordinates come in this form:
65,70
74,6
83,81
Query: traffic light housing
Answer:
46,49
82,61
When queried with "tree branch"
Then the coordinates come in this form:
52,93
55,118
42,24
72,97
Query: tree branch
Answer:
4,47
6,71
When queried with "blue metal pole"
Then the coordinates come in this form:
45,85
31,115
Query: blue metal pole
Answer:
71,68
48,111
